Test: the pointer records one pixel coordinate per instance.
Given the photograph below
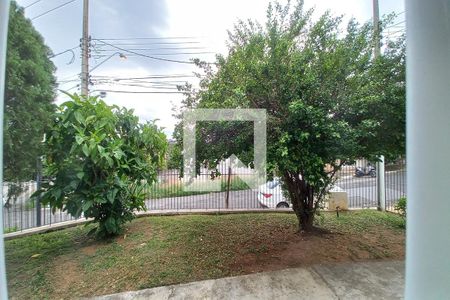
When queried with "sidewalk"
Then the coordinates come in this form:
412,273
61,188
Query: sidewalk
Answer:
367,280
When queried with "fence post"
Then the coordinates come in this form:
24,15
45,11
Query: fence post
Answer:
381,185
38,186
228,188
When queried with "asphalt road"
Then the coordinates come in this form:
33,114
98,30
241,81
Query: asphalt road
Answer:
361,191
237,200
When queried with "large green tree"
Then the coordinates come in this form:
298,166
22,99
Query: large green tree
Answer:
29,96
328,100
100,162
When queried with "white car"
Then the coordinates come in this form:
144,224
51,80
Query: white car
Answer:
270,195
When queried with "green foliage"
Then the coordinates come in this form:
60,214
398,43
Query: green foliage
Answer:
10,229
14,190
100,162
175,156
29,95
401,206
328,100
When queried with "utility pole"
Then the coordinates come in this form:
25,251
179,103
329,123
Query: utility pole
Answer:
85,43
381,185
376,29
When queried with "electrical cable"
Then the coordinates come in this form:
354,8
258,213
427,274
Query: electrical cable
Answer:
68,50
160,48
30,5
161,54
152,43
147,38
136,92
146,77
142,86
53,9
396,24
395,32
149,56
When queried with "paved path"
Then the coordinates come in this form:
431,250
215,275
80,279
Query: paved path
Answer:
369,280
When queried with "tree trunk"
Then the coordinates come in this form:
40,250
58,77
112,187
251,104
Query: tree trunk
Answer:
302,198
306,222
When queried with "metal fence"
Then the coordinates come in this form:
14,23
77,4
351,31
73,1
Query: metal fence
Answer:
23,213
167,194
362,190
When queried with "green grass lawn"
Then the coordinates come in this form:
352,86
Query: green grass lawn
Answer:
157,251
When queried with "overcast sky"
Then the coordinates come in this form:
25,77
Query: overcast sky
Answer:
205,22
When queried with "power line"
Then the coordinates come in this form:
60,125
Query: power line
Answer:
148,38
152,43
61,91
105,60
159,48
395,32
140,83
65,51
137,92
163,82
67,81
149,56
75,86
68,77
134,81
73,48
396,24
53,9
30,5
147,77
162,54
141,86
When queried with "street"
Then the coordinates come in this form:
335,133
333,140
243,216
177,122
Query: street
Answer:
361,191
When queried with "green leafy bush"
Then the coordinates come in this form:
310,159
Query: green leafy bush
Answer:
100,161
401,206
10,229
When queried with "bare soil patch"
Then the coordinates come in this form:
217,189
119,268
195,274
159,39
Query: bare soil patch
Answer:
303,249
